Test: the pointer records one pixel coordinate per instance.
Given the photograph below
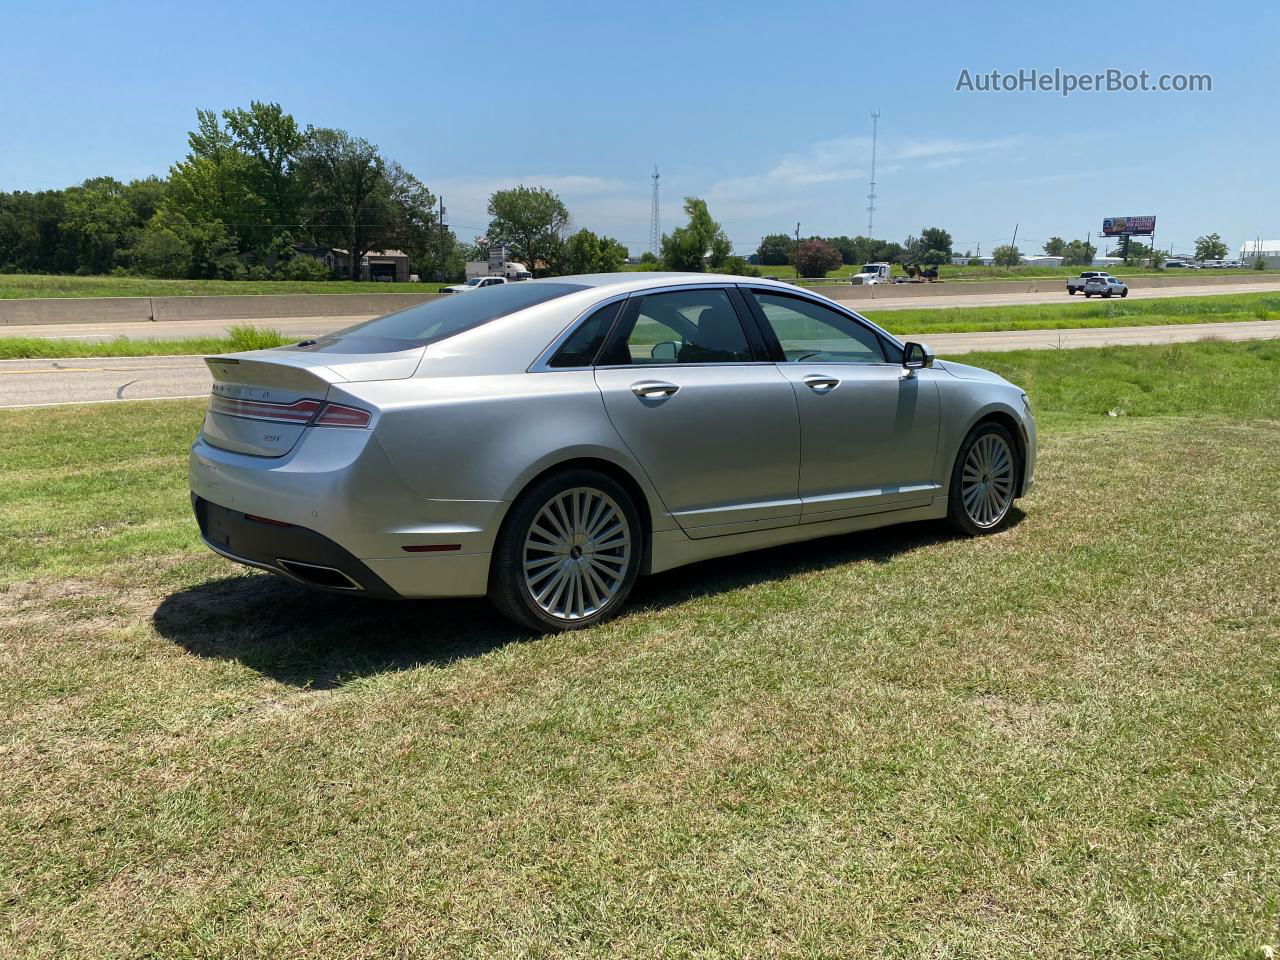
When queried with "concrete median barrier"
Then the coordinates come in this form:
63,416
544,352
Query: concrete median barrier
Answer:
169,309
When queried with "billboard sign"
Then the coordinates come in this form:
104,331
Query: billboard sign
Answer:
1131,226
497,259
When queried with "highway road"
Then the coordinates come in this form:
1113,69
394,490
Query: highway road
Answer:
302,327
25,383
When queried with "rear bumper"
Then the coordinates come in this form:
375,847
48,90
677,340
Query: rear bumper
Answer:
293,552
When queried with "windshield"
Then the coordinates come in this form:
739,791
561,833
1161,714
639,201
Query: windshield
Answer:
870,268
474,281
437,319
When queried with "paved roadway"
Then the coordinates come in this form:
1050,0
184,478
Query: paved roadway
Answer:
302,327
26,383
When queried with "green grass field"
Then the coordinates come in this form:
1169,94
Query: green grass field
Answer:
1224,308
1056,316
21,286
1057,741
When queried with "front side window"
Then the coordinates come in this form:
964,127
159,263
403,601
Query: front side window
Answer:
810,331
686,326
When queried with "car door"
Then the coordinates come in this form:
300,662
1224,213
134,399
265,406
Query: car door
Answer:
868,426
709,417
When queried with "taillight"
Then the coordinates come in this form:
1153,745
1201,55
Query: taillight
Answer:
339,415
307,413
300,411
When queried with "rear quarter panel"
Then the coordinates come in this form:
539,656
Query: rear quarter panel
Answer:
487,437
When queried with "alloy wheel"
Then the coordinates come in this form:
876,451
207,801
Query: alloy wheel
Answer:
577,553
986,484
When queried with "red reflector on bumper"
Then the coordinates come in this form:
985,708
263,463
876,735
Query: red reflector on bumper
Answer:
431,547
274,523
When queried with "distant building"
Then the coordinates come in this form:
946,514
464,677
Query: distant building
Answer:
1268,250
1040,260
390,266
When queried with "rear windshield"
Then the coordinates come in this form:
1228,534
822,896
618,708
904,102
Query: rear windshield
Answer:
437,319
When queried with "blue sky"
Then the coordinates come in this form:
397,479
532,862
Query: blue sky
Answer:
761,109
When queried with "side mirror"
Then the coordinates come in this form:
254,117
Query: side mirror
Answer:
666,350
917,356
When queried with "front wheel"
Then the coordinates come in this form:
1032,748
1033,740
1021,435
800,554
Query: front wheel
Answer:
983,480
568,553
1123,294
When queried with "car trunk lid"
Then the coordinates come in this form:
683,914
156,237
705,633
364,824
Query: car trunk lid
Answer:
262,401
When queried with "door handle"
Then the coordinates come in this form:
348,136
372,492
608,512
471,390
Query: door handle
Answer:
653,389
820,384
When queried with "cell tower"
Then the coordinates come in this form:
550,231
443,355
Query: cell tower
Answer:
871,197
655,229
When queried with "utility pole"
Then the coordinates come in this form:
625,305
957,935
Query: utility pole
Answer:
440,273
795,257
1015,236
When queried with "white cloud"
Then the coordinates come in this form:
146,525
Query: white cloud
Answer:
930,149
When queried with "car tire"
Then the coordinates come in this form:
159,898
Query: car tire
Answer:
1071,291
1123,294
1087,294
987,462
568,553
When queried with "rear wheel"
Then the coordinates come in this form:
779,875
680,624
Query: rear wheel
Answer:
1123,294
983,480
568,553
1087,294
1071,291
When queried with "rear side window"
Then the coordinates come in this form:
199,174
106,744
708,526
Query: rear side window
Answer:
584,343
438,319
688,326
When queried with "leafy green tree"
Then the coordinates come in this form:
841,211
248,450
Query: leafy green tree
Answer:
814,258
161,251
530,222
97,225
936,243
272,142
775,250
738,267
1006,255
649,257
1078,253
584,252
1211,247
700,244
352,201
1055,247
302,267
213,182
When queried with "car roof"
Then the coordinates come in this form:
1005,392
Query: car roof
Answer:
640,279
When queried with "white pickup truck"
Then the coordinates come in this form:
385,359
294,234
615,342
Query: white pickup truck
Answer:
1076,284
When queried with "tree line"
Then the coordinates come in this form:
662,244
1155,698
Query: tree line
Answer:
256,193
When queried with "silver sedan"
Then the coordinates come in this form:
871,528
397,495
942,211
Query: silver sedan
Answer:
547,442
